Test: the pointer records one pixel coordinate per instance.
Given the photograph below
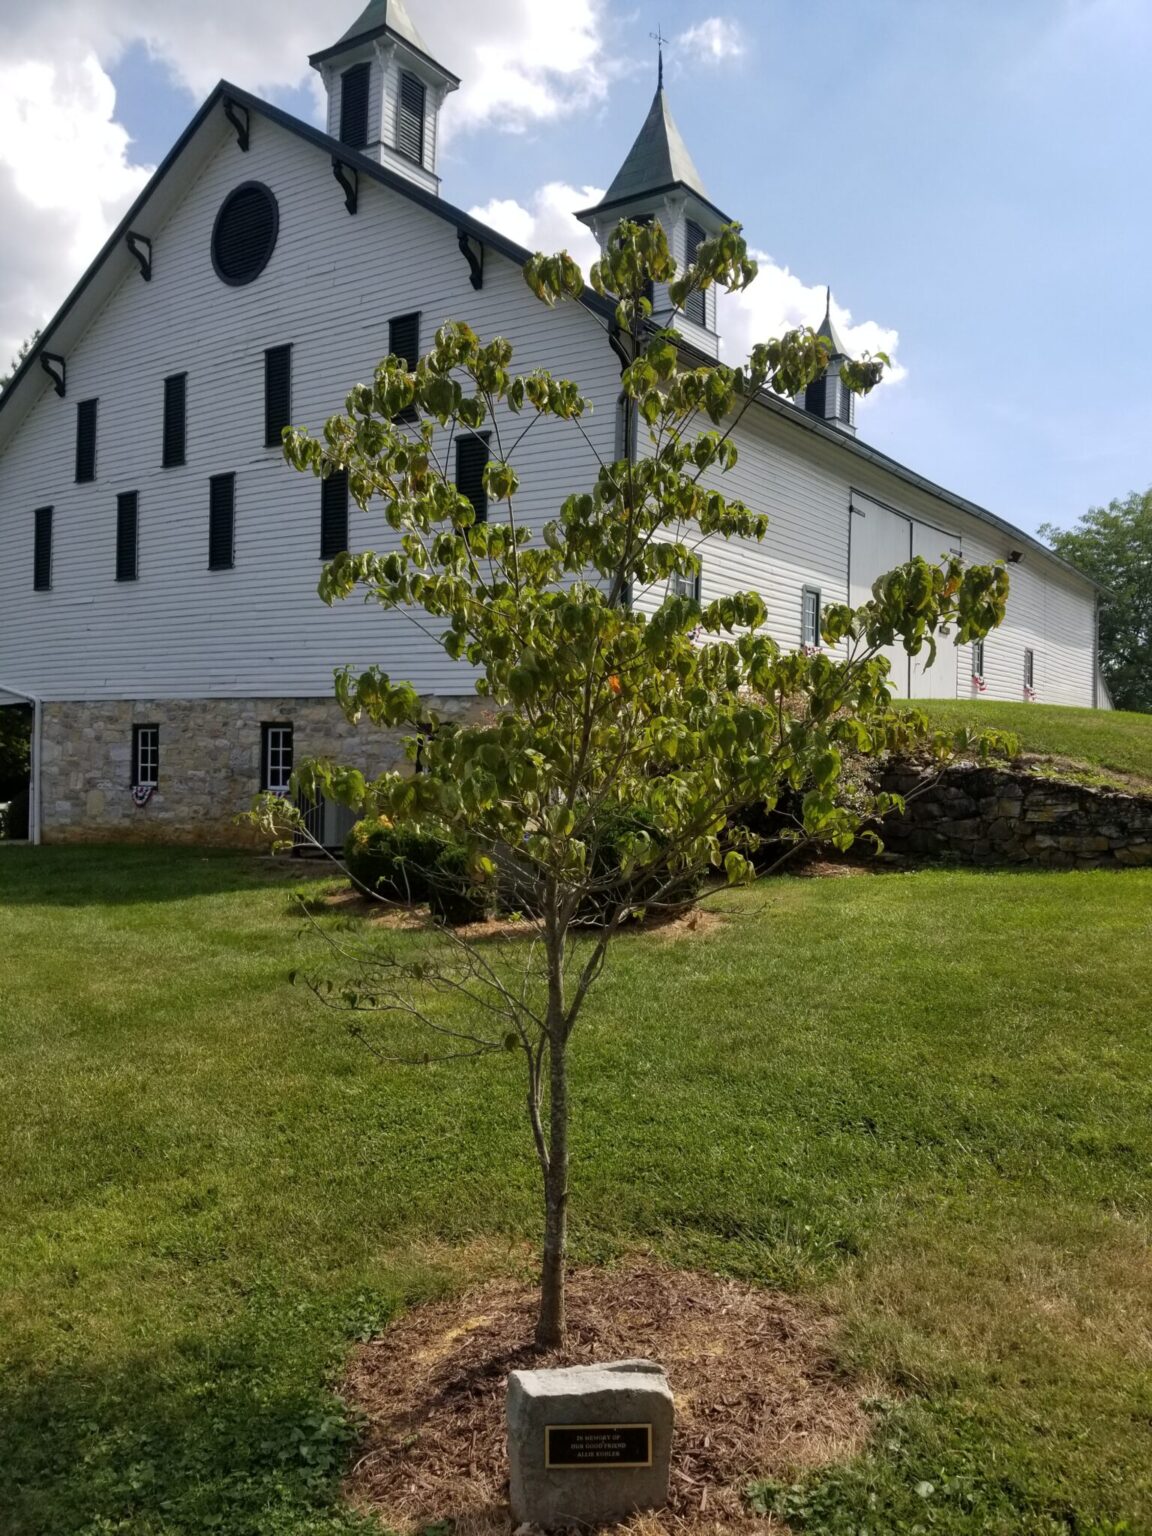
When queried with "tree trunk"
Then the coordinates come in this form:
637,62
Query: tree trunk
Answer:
551,1326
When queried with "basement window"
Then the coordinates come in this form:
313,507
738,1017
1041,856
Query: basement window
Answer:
276,758
145,756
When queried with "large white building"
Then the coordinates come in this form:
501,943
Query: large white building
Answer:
158,592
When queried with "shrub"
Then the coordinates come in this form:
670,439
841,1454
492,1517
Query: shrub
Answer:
393,862
615,886
452,895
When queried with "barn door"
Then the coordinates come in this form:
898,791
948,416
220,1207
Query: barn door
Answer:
937,681
881,540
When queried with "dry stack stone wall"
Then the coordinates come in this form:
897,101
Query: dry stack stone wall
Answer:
1004,815
210,766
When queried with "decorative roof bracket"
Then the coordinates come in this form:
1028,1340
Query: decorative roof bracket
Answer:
473,252
56,368
140,247
349,180
241,120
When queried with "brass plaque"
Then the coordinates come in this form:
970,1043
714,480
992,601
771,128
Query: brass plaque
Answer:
574,1447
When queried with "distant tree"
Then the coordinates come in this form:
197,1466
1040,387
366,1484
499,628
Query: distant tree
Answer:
1113,544
618,738
25,348
15,747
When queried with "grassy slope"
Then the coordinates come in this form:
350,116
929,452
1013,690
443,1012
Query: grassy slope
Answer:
927,1098
1109,739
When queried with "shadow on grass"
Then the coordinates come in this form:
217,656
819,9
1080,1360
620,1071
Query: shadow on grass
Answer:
170,1444
115,875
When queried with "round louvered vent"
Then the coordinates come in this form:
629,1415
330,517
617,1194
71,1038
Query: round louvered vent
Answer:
245,234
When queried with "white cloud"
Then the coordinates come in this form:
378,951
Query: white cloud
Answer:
550,223
778,301
65,181
712,41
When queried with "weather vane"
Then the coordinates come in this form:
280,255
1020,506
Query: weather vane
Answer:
659,38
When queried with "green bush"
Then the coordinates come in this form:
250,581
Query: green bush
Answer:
607,865
393,862
452,895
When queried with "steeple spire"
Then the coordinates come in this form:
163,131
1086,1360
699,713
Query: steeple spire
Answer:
659,39
828,396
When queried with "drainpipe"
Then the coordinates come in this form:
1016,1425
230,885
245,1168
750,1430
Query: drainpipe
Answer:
34,818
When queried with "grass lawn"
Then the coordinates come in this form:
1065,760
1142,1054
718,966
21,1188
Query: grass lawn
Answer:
1115,740
925,1099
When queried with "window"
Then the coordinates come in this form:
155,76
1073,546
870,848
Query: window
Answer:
175,420
276,751
410,118
471,462
277,394
86,441
222,523
977,658
127,535
354,85
1029,669
245,234
810,609
680,585
42,553
404,342
145,756
696,304
334,515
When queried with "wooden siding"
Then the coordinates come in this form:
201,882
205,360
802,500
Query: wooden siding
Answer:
333,284
805,486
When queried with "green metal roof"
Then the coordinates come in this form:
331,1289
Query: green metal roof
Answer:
829,330
377,19
658,159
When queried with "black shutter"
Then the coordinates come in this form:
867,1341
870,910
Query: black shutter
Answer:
334,515
354,85
404,342
410,118
86,441
816,395
845,412
222,523
127,531
175,420
277,394
695,306
42,555
471,462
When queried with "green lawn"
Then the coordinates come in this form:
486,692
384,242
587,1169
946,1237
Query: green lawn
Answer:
925,1099
1102,738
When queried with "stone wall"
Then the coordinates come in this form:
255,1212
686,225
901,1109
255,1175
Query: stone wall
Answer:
209,763
1005,815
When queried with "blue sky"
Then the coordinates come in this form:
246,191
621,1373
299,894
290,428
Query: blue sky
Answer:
972,176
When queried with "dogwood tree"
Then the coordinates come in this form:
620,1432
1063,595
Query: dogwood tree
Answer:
625,724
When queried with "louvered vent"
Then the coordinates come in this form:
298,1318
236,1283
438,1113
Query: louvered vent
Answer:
471,462
86,441
695,307
844,413
245,235
334,515
277,394
175,420
42,555
127,535
816,395
222,523
410,118
404,342
354,85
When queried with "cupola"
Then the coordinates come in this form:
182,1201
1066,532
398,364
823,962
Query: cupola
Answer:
828,396
386,91
659,180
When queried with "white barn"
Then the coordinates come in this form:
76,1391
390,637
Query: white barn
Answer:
158,600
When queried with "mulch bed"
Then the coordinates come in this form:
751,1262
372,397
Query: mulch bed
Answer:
757,1394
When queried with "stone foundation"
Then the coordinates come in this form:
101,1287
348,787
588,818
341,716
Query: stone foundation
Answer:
210,765
1007,816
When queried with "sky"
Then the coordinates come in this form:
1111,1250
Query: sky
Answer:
971,180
